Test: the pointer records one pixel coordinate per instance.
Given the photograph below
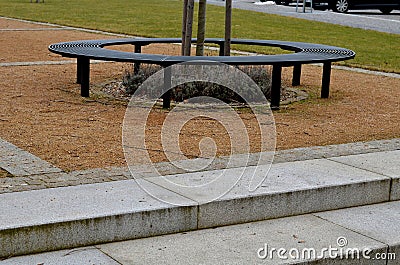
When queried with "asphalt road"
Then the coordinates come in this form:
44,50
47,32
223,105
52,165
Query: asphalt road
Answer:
364,19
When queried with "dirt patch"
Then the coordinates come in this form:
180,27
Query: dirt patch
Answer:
4,174
43,112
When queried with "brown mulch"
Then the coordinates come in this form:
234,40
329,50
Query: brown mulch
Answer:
43,112
4,174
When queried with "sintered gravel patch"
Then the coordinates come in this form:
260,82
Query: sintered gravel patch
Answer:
44,114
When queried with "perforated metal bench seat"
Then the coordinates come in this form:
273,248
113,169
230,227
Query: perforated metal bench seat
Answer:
303,53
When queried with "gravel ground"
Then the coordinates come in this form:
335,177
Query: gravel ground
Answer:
43,113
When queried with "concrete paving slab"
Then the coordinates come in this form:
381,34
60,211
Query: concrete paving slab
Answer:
81,256
281,156
393,255
51,219
246,244
395,190
379,221
289,189
20,163
27,181
315,152
385,163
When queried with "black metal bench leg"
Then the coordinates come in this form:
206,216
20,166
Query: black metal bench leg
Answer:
296,75
326,79
136,67
79,70
221,48
167,85
84,76
276,86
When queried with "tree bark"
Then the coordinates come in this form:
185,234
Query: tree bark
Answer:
184,22
228,27
189,27
201,27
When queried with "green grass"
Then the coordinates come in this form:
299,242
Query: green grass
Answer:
162,18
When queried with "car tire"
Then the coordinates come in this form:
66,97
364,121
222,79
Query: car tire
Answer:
386,10
341,6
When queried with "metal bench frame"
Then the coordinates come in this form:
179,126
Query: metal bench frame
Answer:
304,53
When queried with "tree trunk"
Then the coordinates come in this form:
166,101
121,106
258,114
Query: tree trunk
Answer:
201,27
189,27
184,22
228,27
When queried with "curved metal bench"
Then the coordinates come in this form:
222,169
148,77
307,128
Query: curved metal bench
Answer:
304,53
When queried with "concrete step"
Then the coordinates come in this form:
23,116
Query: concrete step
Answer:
359,235
58,218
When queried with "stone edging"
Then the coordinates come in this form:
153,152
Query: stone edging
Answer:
32,173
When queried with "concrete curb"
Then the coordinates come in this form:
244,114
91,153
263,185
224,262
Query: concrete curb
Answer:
66,217
58,218
359,235
33,181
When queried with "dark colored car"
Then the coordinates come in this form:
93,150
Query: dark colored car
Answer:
342,6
